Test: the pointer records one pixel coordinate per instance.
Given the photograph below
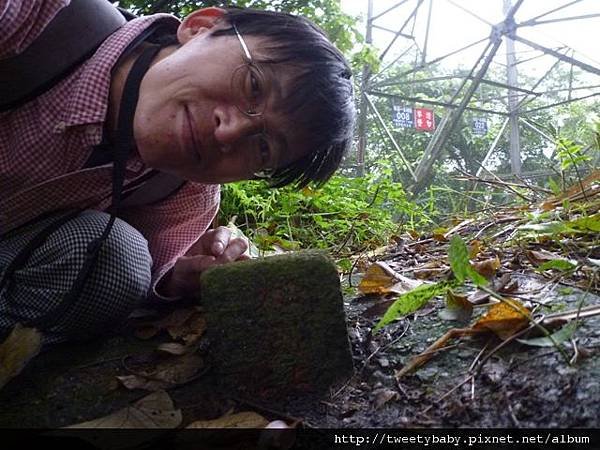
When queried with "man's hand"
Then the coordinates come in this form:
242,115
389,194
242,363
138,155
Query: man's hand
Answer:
213,248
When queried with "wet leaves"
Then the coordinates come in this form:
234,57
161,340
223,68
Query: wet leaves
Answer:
505,318
187,324
153,411
167,373
246,419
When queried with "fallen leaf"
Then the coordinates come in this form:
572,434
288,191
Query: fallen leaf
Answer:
439,234
377,280
488,267
382,279
383,396
557,337
538,257
504,318
19,347
411,301
153,411
173,348
168,373
479,297
413,234
187,324
247,419
457,308
427,274
474,249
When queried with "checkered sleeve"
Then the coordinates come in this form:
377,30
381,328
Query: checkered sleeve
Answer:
22,21
173,225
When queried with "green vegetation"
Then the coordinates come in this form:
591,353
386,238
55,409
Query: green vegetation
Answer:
347,215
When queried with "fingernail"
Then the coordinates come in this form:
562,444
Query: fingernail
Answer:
218,248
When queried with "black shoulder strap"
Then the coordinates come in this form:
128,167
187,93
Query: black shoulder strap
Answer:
70,38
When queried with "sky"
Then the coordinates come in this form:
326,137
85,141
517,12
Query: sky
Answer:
452,28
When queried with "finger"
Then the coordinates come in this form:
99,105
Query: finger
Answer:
194,265
234,250
220,240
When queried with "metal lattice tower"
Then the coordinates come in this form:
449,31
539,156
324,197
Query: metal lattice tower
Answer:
517,99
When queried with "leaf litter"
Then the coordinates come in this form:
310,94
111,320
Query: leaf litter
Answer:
507,284
526,278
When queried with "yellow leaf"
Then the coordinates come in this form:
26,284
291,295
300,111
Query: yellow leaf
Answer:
439,234
377,280
247,419
504,318
474,249
20,347
153,411
382,279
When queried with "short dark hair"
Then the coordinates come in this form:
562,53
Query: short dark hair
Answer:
321,99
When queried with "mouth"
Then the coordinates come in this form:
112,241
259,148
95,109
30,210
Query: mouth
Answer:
189,135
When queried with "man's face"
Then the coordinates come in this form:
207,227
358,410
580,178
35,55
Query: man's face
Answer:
190,121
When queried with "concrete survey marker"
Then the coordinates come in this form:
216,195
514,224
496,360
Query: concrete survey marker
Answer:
276,326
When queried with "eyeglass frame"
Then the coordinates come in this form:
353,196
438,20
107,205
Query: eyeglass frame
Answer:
248,60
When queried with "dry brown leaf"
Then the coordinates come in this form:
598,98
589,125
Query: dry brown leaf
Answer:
169,373
539,257
191,331
413,234
427,274
474,249
383,396
187,324
504,318
153,411
246,419
382,279
488,267
478,297
19,347
377,280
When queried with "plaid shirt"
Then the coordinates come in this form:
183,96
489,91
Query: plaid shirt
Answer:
45,143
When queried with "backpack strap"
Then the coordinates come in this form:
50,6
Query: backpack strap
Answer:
71,37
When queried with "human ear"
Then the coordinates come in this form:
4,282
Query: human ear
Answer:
198,22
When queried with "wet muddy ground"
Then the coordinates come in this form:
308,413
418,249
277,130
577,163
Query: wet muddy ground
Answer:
519,386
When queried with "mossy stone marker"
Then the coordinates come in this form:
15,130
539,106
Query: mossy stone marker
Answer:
277,326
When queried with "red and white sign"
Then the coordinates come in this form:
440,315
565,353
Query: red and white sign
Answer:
424,119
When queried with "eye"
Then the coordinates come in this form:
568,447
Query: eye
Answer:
255,85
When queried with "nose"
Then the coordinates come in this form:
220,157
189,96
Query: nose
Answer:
232,125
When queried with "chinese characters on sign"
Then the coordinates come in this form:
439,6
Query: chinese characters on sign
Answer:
402,116
421,119
480,127
424,119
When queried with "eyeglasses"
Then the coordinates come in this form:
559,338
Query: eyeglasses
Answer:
248,83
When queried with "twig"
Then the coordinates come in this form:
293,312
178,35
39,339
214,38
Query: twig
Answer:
511,413
447,393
